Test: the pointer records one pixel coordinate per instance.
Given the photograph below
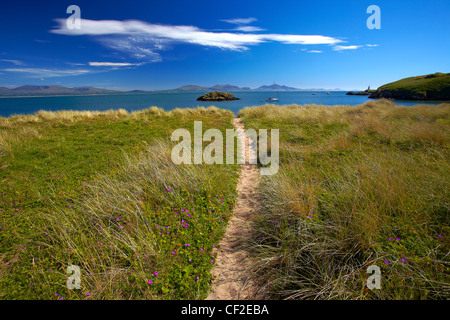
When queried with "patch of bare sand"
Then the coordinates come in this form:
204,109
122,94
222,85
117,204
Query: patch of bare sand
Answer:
234,280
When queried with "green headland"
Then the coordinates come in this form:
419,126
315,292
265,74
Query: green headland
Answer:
427,87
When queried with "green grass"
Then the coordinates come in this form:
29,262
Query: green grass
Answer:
96,189
427,87
357,186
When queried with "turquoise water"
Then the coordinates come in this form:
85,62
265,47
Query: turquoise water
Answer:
168,101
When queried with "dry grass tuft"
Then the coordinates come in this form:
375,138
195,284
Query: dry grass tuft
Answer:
357,186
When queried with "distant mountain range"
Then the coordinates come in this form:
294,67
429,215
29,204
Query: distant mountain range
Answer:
33,90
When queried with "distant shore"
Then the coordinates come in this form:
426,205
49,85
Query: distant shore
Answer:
150,92
76,95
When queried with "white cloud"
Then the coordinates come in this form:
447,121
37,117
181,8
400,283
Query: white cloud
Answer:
339,48
300,39
240,20
147,32
248,29
372,45
315,51
47,73
76,64
16,62
112,64
137,46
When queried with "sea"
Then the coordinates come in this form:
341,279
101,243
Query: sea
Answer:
169,101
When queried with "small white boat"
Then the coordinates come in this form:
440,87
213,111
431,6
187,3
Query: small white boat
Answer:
314,94
273,98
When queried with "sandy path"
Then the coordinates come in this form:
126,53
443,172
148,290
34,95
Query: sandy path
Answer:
233,280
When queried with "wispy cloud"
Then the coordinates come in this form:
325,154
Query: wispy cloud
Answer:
47,73
240,20
339,48
315,51
16,62
113,64
372,45
248,29
152,33
76,64
300,39
243,24
141,47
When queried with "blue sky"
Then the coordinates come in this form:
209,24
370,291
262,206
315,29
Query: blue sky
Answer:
154,45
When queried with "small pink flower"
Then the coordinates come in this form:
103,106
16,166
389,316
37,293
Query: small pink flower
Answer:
173,252
149,282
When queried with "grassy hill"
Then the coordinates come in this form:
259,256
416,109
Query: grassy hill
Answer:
427,87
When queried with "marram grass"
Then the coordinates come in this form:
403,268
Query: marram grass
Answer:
357,186
99,190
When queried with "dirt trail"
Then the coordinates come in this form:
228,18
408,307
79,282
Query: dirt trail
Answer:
233,280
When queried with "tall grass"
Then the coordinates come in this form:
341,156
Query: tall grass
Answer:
100,191
112,232
357,186
8,138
